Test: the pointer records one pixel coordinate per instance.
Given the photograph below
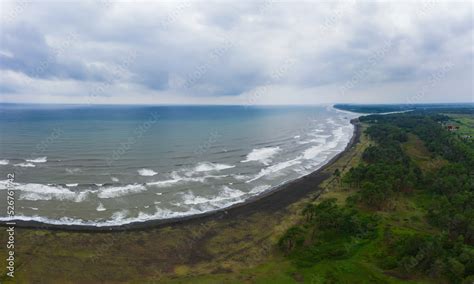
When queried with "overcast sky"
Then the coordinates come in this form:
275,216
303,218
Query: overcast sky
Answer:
240,52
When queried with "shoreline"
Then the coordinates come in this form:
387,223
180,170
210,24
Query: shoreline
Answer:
275,199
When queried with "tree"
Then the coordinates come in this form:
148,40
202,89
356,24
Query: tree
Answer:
337,174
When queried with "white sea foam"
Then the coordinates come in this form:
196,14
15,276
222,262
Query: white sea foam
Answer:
114,179
320,140
259,189
100,207
117,219
304,142
147,172
72,184
209,167
226,197
312,152
119,216
263,155
35,191
25,165
275,168
38,160
240,177
118,191
4,162
203,178
158,214
331,121
36,218
315,151
32,208
317,135
164,183
338,132
177,178
82,195
73,171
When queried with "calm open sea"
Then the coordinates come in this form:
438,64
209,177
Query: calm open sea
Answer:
112,165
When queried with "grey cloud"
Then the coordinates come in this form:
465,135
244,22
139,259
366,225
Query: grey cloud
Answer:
181,48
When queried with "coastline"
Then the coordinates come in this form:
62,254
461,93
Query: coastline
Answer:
273,200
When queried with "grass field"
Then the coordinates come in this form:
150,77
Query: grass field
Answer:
417,151
466,123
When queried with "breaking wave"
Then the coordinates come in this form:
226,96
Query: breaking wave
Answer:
25,165
263,155
147,172
38,160
210,167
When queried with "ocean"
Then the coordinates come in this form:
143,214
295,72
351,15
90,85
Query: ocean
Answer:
114,165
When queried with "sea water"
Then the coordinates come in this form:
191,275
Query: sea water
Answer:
113,165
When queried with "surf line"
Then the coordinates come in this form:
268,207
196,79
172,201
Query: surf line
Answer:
11,225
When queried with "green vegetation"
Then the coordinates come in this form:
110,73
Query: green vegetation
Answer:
466,108
328,232
405,217
466,125
374,108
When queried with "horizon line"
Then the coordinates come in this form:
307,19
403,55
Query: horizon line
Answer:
246,105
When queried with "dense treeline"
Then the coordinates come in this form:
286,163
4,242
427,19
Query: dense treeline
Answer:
386,173
451,199
328,232
450,208
427,126
437,256
452,186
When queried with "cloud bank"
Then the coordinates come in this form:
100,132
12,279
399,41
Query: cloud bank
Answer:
237,52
